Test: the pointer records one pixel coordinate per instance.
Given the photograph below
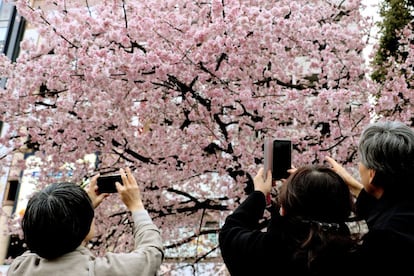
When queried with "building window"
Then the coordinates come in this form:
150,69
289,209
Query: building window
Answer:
11,32
6,11
12,27
11,190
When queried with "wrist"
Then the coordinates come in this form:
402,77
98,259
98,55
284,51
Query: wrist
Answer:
263,191
136,207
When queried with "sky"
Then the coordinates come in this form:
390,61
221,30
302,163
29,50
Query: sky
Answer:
371,10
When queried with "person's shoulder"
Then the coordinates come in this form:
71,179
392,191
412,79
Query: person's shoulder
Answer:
396,217
26,255
22,263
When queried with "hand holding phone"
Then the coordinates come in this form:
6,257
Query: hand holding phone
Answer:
278,159
106,183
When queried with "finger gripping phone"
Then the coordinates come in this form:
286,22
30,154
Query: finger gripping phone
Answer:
106,183
278,157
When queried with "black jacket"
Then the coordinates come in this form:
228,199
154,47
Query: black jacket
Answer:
249,251
388,247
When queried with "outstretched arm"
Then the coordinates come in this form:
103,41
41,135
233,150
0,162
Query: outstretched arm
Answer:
354,185
148,253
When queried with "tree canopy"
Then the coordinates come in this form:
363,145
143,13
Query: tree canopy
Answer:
395,16
184,93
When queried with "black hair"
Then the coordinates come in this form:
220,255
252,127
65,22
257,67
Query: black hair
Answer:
316,193
317,204
57,219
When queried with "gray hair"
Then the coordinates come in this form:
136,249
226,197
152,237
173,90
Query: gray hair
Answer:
388,148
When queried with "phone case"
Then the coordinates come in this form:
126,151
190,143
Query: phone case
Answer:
268,154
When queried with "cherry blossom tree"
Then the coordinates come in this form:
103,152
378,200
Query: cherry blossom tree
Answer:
393,96
184,92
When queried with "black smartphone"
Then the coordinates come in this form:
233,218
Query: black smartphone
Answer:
278,157
106,183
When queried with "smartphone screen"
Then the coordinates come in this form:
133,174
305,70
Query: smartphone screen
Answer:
277,157
282,158
106,183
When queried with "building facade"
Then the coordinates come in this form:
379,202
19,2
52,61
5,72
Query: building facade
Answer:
12,27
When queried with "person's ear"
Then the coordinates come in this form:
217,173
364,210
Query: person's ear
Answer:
374,189
371,174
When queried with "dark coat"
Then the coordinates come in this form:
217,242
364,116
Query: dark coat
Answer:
249,251
388,247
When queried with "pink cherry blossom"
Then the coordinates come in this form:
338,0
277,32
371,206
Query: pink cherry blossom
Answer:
185,93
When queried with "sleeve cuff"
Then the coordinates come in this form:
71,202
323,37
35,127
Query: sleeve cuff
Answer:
141,217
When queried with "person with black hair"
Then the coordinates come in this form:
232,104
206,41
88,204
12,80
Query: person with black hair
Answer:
307,233
384,197
59,221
